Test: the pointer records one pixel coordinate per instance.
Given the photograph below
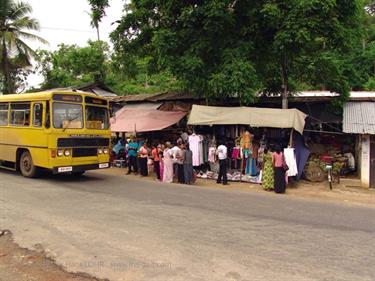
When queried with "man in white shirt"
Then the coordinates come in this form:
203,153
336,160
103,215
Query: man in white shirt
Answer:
222,153
175,150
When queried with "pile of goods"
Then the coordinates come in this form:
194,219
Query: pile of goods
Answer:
315,169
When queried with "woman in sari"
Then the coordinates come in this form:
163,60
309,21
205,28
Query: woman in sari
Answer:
168,164
267,173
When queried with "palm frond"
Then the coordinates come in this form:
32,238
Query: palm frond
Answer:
24,48
31,36
19,10
5,8
25,22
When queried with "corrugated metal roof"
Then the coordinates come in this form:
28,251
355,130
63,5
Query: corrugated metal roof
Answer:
359,118
135,98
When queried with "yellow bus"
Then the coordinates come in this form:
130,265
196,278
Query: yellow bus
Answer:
65,132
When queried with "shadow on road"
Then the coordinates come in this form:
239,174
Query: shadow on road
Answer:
58,178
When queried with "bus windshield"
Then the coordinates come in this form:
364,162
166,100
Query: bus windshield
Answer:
96,118
67,115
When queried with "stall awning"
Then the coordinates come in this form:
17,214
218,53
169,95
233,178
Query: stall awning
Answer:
253,116
359,118
144,120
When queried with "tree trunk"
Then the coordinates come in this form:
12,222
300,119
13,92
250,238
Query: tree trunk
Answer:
284,79
8,88
97,33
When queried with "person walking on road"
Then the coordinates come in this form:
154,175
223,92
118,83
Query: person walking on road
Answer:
222,153
132,154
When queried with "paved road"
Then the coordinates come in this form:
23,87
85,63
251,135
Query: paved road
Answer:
122,229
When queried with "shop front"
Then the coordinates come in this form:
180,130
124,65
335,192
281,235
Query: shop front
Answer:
249,133
359,120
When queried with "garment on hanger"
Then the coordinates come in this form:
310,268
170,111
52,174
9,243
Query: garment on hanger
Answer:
255,148
194,147
236,153
205,149
212,154
290,160
201,158
247,140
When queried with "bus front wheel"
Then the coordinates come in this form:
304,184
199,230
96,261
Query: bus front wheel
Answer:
27,167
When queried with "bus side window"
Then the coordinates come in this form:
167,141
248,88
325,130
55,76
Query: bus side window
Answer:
48,116
20,114
3,114
38,115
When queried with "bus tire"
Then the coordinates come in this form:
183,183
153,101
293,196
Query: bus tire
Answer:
26,165
77,174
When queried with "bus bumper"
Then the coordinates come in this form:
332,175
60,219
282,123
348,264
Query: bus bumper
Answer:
79,168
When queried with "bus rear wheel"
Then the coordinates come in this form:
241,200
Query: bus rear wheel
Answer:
27,167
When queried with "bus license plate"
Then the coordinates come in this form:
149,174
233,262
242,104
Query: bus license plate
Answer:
103,165
65,169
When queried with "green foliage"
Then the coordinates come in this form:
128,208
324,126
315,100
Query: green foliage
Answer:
370,84
71,65
223,48
15,53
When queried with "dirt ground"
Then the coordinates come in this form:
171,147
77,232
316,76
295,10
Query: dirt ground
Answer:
18,264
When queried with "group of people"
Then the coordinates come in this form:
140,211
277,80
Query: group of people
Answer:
175,162
169,162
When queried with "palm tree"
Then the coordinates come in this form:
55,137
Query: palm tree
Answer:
94,22
15,54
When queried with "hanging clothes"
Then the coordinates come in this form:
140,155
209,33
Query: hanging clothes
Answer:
194,141
212,154
290,160
205,149
246,140
200,150
252,166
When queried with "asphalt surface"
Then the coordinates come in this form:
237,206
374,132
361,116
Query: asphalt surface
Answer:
124,229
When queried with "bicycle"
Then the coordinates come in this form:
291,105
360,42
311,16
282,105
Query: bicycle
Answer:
328,160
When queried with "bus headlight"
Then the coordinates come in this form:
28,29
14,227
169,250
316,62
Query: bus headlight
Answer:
100,151
67,152
105,150
60,152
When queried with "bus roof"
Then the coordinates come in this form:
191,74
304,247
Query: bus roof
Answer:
41,96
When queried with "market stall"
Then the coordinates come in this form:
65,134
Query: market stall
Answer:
144,120
248,131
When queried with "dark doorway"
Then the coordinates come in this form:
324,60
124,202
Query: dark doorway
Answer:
372,162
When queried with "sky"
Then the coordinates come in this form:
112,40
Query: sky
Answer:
68,22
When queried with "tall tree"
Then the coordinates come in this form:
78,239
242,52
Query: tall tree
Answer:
97,13
15,23
221,48
72,65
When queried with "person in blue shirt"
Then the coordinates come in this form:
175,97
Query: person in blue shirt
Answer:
132,155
